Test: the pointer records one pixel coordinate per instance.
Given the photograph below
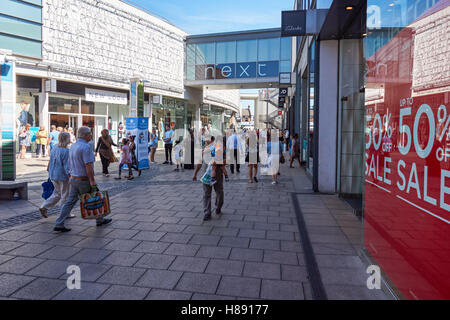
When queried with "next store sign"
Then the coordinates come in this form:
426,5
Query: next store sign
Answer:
243,70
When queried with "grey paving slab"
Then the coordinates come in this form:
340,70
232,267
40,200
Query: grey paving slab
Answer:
20,265
214,252
147,226
171,227
151,247
122,245
240,287
205,229
251,233
90,272
222,231
197,282
4,258
225,267
93,243
30,250
267,226
202,239
262,270
189,264
282,290
91,255
265,244
339,261
234,242
10,283
179,249
59,253
162,279
202,296
123,224
246,254
14,235
280,257
155,261
6,246
176,237
159,294
123,234
120,258
117,292
121,275
333,248
50,269
343,276
294,273
40,237
88,291
346,292
41,289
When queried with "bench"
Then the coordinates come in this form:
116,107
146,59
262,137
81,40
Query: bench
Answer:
8,188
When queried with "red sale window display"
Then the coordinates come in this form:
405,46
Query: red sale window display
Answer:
407,157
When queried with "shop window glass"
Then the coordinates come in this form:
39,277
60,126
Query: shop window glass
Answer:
190,61
268,49
205,53
246,50
18,27
94,108
285,66
226,52
21,46
21,9
63,105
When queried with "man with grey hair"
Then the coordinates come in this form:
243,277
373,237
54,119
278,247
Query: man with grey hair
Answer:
82,180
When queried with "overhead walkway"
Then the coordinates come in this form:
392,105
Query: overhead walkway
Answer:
237,60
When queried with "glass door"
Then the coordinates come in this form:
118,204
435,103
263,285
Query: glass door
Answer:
73,123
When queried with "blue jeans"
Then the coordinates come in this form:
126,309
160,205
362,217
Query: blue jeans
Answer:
76,189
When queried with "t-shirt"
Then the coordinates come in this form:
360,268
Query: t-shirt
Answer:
178,151
54,135
168,135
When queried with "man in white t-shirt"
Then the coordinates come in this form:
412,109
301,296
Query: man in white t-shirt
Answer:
168,142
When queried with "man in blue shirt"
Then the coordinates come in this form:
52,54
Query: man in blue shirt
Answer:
82,180
53,137
234,146
168,141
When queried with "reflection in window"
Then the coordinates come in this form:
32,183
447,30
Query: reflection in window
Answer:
286,50
225,52
285,66
246,51
190,61
269,49
205,53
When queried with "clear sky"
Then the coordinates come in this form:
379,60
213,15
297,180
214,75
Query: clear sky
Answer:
211,16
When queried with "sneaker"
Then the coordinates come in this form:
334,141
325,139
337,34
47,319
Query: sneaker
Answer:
274,182
43,212
165,162
256,180
130,178
117,178
105,221
71,216
207,217
63,229
176,169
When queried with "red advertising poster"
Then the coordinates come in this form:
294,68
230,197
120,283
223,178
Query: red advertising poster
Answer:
407,158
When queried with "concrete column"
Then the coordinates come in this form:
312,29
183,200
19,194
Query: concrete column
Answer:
44,118
328,104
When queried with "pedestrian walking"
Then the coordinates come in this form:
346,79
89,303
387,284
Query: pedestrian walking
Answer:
295,151
53,137
252,157
178,155
153,144
41,141
198,166
125,159
168,137
134,161
58,172
274,156
104,146
24,140
82,179
234,147
207,192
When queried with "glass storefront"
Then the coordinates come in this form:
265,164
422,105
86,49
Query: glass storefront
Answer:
407,164
27,112
311,105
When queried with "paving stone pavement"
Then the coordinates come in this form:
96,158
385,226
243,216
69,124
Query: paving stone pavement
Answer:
158,246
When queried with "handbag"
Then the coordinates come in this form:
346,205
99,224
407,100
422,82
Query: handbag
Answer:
48,189
95,205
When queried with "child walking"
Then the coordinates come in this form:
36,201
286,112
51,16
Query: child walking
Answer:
125,159
178,155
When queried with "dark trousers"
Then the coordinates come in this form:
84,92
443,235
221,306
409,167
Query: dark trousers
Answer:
168,149
130,168
235,160
207,193
40,147
105,164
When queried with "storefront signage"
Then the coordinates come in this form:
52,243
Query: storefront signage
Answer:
103,96
285,78
206,107
293,23
138,127
7,121
244,70
407,159
283,92
50,85
156,99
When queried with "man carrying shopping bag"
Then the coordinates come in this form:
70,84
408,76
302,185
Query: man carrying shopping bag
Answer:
82,180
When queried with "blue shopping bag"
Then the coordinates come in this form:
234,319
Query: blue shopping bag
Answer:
47,188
